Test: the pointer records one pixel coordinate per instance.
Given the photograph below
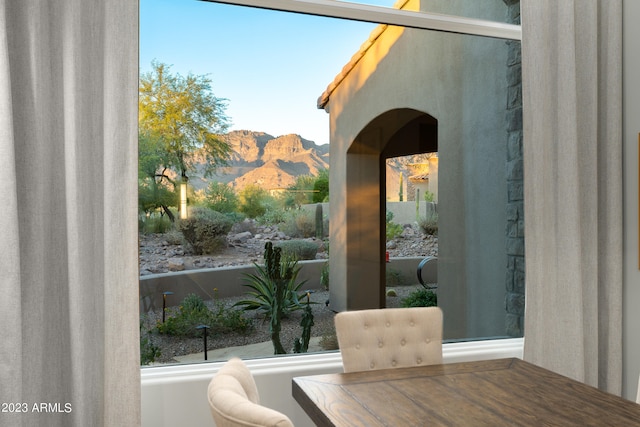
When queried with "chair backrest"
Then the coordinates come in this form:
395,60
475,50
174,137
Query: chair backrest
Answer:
234,400
389,338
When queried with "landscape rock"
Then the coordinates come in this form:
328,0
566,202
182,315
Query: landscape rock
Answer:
175,264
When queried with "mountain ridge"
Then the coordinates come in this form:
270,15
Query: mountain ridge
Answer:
263,159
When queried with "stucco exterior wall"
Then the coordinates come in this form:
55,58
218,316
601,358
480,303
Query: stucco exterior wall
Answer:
461,82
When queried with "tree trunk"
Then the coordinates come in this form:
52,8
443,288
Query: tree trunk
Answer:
166,210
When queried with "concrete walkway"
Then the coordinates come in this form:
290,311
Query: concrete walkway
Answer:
244,352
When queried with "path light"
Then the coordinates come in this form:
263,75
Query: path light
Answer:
164,302
205,327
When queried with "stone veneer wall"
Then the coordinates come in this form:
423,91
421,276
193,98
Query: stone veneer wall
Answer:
515,277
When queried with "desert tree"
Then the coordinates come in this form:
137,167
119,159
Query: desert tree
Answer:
184,118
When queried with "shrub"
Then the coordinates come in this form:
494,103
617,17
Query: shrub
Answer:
329,341
421,298
194,312
393,229
149,352
299,223
273,216
221,197
298,249
155,224
393,277
254,201
429,224
174,237
205,230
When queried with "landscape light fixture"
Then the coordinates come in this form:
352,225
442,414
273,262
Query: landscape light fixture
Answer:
205,327
164,302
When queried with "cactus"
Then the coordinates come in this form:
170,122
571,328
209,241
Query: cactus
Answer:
302,345
275,288
319,225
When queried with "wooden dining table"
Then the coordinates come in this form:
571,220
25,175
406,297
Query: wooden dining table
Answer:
503,392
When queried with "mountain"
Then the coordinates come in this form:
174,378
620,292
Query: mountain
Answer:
275,163
268,161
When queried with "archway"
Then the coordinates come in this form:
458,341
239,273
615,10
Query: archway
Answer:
395,133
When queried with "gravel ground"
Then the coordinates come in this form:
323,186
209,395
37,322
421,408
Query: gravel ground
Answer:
160,253
291,329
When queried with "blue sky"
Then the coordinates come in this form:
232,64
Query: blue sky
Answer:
270,66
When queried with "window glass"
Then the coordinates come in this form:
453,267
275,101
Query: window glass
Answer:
276,88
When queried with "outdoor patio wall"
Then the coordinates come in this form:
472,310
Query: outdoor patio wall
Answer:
229,281
403,212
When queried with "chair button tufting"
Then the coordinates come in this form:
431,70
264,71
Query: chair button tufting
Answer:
357,346
388,324
428,340
412,323
380,344
372,365
419,361
394,363
403,342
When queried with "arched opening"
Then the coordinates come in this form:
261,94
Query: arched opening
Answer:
395,133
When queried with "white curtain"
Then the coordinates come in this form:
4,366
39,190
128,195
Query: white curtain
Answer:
69,349
572,58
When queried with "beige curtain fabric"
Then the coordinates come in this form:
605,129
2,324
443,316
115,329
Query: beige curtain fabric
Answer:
571,60
69,325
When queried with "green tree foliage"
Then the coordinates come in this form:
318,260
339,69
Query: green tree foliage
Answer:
183,118
221,197
321,187
301,192
156,190
254,201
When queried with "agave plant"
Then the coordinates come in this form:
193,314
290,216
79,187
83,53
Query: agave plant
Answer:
274,291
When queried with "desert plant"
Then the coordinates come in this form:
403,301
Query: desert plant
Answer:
221,197
321,187
329,341
393,229
254,201
193,312
274,288
421,298
429,224
205,230
392,277
319,222
302,344
298,249
156,224
149,352
429,196
299,223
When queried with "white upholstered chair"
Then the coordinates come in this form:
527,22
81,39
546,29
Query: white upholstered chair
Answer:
389,338
234,400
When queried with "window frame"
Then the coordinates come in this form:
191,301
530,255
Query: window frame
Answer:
377,15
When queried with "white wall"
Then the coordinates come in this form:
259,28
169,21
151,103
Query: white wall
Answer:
177,395
631,123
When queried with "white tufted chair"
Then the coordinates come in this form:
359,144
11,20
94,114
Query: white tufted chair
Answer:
389,338
234,401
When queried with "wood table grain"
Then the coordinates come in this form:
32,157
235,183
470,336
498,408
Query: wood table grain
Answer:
504,392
